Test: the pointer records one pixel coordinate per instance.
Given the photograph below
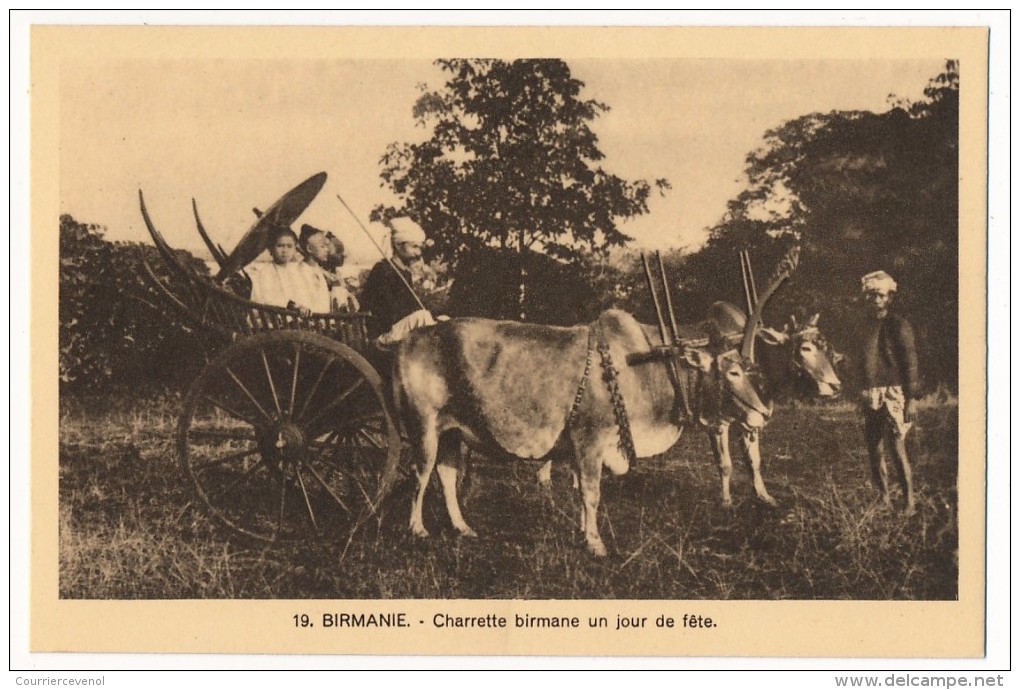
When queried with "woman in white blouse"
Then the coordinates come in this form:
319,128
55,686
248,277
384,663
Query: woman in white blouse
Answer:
288,281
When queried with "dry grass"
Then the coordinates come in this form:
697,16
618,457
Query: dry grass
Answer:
128,529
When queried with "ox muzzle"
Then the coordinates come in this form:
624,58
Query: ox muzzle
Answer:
816,371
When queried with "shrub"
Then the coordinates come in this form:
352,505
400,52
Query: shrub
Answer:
113,331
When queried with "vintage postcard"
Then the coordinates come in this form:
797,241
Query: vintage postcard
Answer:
545,341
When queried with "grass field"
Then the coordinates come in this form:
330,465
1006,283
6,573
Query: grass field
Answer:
128,528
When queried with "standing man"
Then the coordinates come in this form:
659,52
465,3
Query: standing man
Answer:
890,378
387,292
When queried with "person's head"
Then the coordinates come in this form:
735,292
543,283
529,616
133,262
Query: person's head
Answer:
339,253
316,244
407,239
878,289
282,244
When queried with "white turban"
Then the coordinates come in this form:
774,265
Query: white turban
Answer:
406,230
878,281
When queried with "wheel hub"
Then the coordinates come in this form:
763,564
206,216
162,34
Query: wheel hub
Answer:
284,442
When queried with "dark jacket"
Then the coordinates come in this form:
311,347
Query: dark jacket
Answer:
889,357
386,297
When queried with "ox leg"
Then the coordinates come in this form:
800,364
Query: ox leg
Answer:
720,439
450,461
428,450
591,488
544,475
753,449
588,470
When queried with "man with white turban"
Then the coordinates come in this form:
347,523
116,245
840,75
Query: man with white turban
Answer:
890,383
387,293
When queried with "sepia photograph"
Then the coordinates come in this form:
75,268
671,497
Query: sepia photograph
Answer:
519,341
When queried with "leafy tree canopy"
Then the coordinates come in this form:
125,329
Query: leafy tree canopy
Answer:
859,191
512,163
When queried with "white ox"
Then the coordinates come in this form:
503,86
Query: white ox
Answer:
510,389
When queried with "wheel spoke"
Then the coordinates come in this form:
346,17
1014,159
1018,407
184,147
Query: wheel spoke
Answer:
272,386
247,473
248,393
308,503
222,434
293,381
283,501
315,386
357,471
361,421
336,403
230,457
229,410
374,442
339,501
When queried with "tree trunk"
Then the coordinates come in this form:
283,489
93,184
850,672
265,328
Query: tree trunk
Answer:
524,275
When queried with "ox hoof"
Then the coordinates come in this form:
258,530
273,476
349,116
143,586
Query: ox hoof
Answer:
727,503
466,531
598,550
909,509
769,501
419,531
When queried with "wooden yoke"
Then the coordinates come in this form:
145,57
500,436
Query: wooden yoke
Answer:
671,345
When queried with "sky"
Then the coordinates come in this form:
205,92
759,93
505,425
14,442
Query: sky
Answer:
237,134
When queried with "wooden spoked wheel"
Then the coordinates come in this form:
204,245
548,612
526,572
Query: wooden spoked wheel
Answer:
287,436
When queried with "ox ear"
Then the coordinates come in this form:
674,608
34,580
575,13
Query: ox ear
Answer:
698,358
770,336
837,357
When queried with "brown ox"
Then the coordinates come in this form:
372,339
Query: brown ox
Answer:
797,356
510,389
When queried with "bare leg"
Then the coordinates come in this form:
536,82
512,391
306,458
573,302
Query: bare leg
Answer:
450,459
899,449
751,446
719,437
874,430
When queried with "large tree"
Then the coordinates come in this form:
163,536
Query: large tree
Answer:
512,166
860,191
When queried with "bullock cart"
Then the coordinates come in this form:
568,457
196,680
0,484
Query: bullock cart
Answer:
286,433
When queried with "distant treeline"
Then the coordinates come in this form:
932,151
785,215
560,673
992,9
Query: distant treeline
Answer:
857,191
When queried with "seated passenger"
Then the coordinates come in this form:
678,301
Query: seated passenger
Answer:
324,253
287,281
388,292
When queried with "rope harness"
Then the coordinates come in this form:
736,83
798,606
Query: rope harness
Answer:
610,376
584,377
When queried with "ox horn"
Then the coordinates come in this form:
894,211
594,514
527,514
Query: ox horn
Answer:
786,266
